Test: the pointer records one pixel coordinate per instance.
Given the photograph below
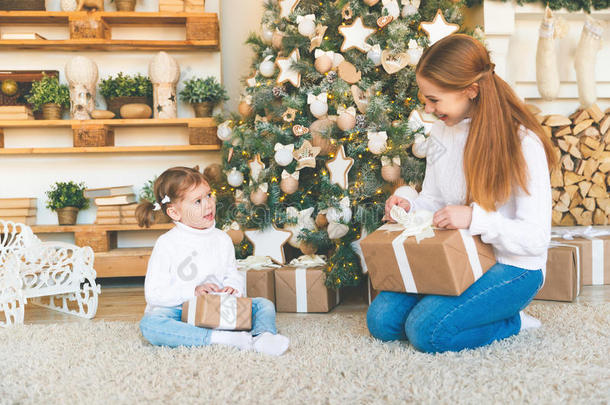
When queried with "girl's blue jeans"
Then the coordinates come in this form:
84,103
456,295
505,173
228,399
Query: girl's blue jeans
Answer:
163,326
487,311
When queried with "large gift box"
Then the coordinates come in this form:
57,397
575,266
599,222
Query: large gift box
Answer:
301,288
410,256
259,275
218,311
594,249
563,279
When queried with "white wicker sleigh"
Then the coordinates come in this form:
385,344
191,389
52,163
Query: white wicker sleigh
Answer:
55,275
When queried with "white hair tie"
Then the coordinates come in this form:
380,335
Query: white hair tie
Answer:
165,199
156,206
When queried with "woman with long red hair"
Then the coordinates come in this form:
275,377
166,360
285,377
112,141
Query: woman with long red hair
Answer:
490,175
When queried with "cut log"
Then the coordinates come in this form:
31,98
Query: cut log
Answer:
556,178
575,201
571,178
604,125
567,163
540,118
579,166
567,220
555,194
533,109
577,213
599,218
575,151
591,131
590,167
586,219
604,204
571,139
586,151
595,113
561,207
599,152
584,186
548,131
571,190
598,191
581,126
557,120
590,141
579,116
556,217
589,204
563,145
599,179
604,167
563,131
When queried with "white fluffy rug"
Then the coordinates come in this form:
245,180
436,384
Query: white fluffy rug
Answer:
332,360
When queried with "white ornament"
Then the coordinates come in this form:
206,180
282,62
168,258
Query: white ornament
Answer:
304,221
287,7
355,36
547,71
267,67
377,142
164,73
584,61
224,131
419,118
339,168
374,54
336,230
287,74
81,74
235,178
391,6
420,146
415,51
439,28
409,7
307,25
318,105
283,154
341,214
256,167
267,34
269,242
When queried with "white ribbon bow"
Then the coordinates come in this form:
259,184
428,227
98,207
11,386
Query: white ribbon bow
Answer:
247,99
256,263
587,233
348,110
375,49
156,206
251,81
311,17
392,7
415,223
309,261
343,213
263,187
286,175
322,97
380,137
278,147
386,161
318,53
234,226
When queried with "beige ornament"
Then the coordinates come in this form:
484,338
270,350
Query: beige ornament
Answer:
339,168
308,248
347,12
439,28
235,232
361,98
349,73
316,40
289,115
259,196
256,167
300,130
391,8
283,154
102,114
321,220
377,142
324,60
82,75
371,3
390,169
235,178
276,40
336,230
306,155
136,110
374,54
393,63
290,182
321,135
346,118
287,74
355,36
245,109
383,21
164,73
306,25
213,173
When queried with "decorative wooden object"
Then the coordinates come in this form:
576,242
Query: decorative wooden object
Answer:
82,75
164,73
171,6
24,79
194,6
92,135
201,134
201,28
89,26
22,5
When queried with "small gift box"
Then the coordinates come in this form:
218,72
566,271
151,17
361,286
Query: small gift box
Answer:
594,246
411,256
218,311
300,286
260,276
563,279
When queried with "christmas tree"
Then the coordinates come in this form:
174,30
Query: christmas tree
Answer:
323,134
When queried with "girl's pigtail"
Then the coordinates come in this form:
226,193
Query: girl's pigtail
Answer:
145,214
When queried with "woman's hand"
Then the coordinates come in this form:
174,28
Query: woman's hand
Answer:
453,217
206,289
392,201
230,290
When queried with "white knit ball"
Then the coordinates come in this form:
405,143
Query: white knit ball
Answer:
224,132
283,157
318,109
267,68
235,178
307,27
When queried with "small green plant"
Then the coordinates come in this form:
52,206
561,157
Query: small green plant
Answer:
48,90
198,90
123,85
148,191
67,194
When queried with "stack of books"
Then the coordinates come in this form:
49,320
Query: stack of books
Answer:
16,112
115,205
22,210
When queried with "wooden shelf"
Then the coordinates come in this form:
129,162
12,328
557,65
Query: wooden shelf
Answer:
152,122
111,17
108,149
94,227
73,45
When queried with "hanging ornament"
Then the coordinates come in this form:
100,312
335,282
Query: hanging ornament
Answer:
245,106
409,7
419,118
259,195
349,73
304,221
289,115
287,7
585,59
224,131
361,98
213,172
390,168
374,54
393,63
306,155
420,146
346,118
300,130
318,105
256,167
251,81
383,21
336,230
235,178
316,40
377,143
290,182
277,39
258,118
339,168
308,248
321,135
415,51
341,214
235,232
391,8
321,221
331,76
324,60
307,25
360,121
355,36
267,34
371,3
287,74
347,12
278,91
269,242
283,154
230,155
267,66
439,28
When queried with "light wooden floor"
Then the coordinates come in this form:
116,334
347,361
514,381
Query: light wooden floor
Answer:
123,300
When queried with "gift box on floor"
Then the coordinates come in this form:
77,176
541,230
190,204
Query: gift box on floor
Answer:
259,275
443,262
563,279
301,288
594,252
371,292
218,311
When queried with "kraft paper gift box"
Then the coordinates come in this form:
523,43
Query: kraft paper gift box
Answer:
594,255
259,275
442,262
218,311
563,279
302,289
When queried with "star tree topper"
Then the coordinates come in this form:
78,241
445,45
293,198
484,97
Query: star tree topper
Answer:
287,74
439,28
339,167
355,36
269,242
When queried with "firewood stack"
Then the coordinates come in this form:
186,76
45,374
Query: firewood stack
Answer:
581,181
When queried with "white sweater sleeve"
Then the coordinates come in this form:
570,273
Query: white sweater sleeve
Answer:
528,233
430,198
161,288
232,278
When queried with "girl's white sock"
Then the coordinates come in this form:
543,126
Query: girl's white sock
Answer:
241,340
271,344
528,322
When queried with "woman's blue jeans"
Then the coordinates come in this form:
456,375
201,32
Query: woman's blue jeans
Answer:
487,311
163,327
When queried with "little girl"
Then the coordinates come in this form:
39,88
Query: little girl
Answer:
488,173
192,259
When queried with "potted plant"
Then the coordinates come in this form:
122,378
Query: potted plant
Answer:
148,194
125,5
50,96
66,198
203,94
126,89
